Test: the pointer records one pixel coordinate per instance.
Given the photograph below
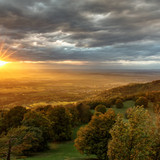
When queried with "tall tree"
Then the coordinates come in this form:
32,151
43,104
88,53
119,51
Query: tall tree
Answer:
94,137
131,140
20,141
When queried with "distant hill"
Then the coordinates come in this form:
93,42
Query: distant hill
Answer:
150,90
131,89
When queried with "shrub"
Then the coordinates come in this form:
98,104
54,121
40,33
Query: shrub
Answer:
119,103
142,101
100,108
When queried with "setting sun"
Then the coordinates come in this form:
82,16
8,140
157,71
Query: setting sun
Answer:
2,63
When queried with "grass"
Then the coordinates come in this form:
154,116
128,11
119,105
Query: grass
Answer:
61,151
127,104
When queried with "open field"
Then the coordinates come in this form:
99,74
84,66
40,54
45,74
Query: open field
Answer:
54,86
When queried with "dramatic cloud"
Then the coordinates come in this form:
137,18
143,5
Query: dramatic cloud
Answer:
92,31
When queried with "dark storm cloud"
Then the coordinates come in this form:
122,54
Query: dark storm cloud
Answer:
92,30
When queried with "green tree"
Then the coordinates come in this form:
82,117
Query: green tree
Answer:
20,141
84,113
156,139
74,116
94,137
142,101
61,123
36,119
14,117
100,108
119,103
131,140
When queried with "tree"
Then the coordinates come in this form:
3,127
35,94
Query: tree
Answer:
36,119
20,141
142,101
100,108
156,138
14,117
84,113
73,113
119,103
94,137
61,123
131,140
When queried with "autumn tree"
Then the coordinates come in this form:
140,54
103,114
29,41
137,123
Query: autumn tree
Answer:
94,137
21,141
100,108
131,140
156,138
142,101
119,103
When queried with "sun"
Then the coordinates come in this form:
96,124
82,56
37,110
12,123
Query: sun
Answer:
2,63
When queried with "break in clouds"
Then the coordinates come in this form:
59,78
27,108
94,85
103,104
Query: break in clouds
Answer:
95,31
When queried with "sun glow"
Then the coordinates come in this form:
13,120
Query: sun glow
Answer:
2,63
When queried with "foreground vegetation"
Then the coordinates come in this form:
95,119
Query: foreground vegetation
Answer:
47,131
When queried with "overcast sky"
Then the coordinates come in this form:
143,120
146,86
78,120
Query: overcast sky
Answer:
118,33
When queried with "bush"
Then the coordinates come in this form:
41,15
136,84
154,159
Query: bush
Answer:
119,103
142,101
95,102
100,108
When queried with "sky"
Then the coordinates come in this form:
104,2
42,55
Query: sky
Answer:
91,33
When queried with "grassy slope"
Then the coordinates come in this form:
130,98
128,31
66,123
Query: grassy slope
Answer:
61,151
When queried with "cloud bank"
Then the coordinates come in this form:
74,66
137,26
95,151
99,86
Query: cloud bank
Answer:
95,31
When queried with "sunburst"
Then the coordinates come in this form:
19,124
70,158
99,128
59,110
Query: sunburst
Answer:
5,53
2,63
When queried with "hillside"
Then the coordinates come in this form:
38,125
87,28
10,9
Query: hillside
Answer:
131,89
